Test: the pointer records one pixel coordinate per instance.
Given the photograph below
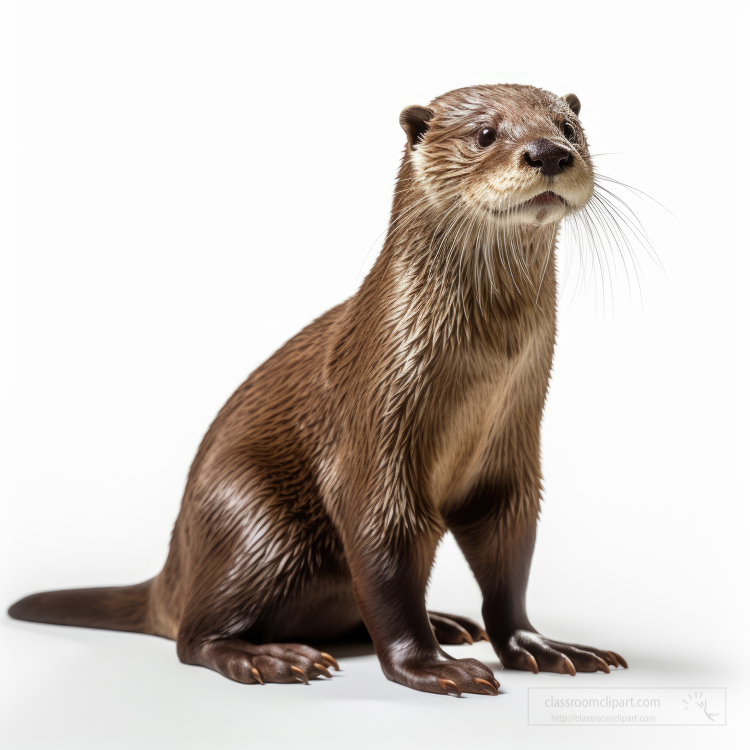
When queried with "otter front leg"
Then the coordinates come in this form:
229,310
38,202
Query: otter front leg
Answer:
390,578
499,547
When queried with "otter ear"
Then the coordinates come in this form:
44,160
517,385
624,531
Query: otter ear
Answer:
574,103
414,121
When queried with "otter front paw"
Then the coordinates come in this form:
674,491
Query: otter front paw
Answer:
530,651
443,674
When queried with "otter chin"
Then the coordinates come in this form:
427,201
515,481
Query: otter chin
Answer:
547,206
320,493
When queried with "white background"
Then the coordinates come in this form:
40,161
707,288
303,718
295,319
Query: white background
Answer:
184,185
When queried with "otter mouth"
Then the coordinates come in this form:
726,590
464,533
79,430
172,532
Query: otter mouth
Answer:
548,198
544,200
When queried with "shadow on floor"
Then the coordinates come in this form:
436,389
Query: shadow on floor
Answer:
357,643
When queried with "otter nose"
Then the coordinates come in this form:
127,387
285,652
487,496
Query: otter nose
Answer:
547,156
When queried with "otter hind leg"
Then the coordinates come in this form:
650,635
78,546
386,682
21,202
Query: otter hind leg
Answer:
259,588
272,662
455,630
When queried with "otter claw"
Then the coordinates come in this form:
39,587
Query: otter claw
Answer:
602,665
257,676
569,668
329,658
483,636
533,666
622,662
322,669
489,685
445,683
304,676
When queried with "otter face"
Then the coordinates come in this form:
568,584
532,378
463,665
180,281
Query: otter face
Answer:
511,155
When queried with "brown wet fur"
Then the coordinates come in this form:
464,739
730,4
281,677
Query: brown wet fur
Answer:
320,493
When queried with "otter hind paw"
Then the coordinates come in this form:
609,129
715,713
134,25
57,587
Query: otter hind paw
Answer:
454,630
271,662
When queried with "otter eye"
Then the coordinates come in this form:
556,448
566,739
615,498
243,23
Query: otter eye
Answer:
569,131
486,137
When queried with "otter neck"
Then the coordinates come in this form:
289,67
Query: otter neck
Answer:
459,281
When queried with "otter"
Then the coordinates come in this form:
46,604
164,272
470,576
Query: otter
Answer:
319,494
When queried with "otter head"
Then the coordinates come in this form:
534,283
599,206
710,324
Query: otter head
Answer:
509,154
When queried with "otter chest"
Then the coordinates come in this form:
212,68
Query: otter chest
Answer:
479,415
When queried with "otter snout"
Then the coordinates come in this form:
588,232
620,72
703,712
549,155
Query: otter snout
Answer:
547,156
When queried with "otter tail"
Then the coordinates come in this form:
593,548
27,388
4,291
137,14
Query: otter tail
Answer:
114,608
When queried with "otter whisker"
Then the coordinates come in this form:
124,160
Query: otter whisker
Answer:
595,212
599,189
639,193
637,231
596,260
612,215
603,249
548,255
613,229
579,247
